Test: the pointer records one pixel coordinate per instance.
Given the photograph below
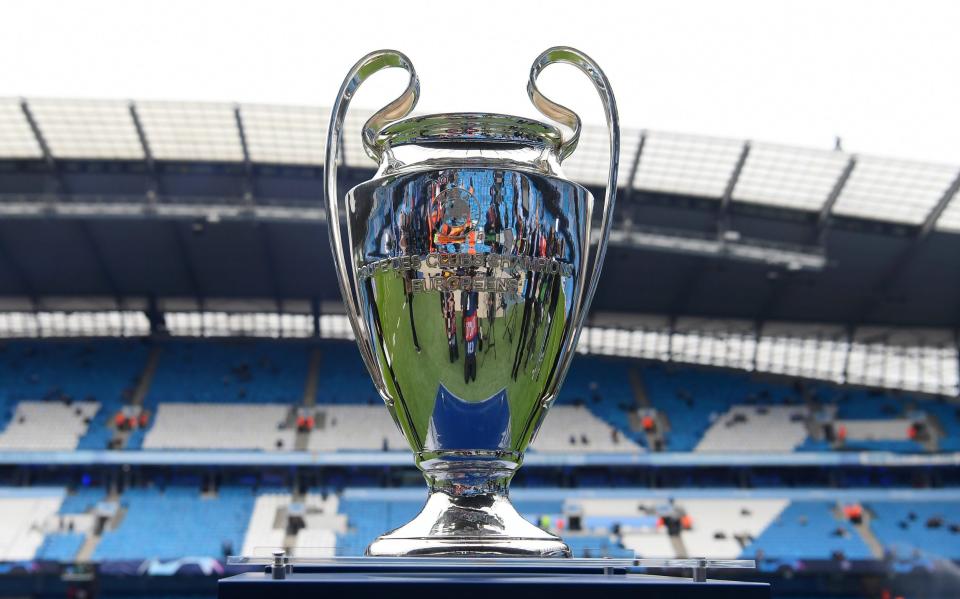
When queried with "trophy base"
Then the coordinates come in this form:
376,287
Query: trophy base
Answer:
476,524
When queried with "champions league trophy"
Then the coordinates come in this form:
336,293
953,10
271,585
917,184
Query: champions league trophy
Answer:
469,267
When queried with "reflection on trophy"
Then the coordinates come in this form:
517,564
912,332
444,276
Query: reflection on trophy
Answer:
469,266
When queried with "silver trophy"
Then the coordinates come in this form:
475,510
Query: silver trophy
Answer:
469,267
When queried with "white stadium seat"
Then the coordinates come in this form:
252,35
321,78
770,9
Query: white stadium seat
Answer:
48,425
219,426
576,423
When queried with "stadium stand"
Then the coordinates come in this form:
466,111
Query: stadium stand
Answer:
369,517
808,530
220,426
339,375
756,428
209,526
692,399
720,528
603,385
263,529
930,529
51,524
649,543
199,387
321,524
25,513
257,388
596,546
577,429
878,435
101,372
230,372
48,425
637,521
75,522
61,546
312,523
355,427
947,419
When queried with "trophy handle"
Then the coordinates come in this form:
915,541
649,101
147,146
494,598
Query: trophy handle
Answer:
399,108
567,117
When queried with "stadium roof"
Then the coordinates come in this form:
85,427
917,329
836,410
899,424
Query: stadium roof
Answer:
706,226
805,179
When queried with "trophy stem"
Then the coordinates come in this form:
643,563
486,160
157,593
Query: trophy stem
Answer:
468,512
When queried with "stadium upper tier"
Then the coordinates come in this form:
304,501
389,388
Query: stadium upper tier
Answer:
777,526
762,173
316,397
189,207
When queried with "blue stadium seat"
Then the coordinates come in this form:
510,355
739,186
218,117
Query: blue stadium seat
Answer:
201,526
603,385
103,371
61,547
948,415
367,519
230,372
902,528
342,378
806,530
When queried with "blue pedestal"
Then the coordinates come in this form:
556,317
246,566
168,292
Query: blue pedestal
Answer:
480,584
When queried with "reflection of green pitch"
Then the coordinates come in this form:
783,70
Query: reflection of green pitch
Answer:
419,373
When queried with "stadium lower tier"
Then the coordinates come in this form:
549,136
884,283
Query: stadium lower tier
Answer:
775,527
286,395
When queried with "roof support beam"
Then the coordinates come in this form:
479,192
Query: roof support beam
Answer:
781,286
248,187
757,335
823,219
690,285
930,222
876,292
153,180
634,167
56,184
316,312
671,333
723,219
846,356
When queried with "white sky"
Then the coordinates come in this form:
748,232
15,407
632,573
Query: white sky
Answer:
885,76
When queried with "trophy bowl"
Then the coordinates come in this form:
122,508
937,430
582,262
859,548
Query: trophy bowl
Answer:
469,264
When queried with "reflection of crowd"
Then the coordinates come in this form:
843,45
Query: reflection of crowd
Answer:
514,218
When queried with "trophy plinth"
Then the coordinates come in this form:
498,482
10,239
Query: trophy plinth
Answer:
466,275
